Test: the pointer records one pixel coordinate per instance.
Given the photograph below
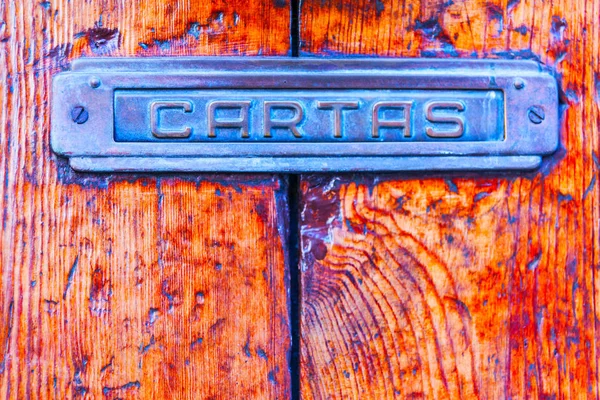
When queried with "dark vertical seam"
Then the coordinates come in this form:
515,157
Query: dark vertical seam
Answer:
294,231
295,282
295,27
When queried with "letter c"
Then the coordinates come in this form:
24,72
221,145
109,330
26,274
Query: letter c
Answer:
156,107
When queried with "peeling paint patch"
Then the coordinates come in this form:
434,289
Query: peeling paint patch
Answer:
430,28
70,276
524,54
273,376
100,293
51,306
558,48
4,36
512,4
106,390
262,354
495,16
379,7
558,27
196,343
60,55
532,266
521,29
101,41
215,25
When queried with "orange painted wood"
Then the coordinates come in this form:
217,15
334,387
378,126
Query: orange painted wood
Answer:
462,285
123,286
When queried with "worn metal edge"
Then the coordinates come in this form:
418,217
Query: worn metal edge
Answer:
315,65
303,164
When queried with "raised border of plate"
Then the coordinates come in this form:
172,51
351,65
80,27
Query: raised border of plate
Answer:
335,117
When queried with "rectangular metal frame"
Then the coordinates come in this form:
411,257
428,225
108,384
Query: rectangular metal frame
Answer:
92,147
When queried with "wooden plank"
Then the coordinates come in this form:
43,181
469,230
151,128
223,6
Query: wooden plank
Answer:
122,286
457,286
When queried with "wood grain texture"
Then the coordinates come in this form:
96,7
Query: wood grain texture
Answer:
122,286
458,286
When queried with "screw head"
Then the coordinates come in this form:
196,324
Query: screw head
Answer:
95,82
536,114
79,115
519,83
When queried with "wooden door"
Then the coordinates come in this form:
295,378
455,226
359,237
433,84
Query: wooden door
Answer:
135,286
457,285
406,285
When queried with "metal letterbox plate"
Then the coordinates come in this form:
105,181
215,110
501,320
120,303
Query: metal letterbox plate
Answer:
297,115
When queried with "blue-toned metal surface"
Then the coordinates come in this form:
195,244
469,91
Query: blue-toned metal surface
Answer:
294,115
480,112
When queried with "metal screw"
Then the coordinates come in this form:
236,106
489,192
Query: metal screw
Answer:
519,83
95,82
79,115
536,114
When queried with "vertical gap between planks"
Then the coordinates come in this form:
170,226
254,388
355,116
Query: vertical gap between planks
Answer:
295,289
294,232
295,27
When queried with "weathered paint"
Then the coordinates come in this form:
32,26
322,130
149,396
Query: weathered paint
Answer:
457,286
134,286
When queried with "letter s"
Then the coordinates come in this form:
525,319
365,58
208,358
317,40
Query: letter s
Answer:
456,119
